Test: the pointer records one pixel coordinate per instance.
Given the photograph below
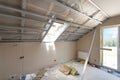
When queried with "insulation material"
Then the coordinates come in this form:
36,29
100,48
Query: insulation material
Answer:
31,32
60,11
73,37
88,8
76,13
12,37
72,29
65,69
63,37
39,19
35,24
38,6
92,23
12,3
8,31
27,37
9,21
14,13
77,17
68,14
82,31
74,4
100,16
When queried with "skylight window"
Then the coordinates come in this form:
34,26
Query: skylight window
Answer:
55,31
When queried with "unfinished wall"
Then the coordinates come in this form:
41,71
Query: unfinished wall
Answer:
36,55
84,43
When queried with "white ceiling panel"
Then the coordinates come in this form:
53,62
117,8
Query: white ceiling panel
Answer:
111,7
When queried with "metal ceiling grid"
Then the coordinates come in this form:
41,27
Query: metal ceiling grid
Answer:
29,18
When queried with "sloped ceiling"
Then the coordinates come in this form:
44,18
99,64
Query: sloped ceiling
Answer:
26,20
111,7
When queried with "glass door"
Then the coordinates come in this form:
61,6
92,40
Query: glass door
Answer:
109,47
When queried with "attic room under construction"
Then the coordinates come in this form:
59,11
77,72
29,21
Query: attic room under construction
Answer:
59,40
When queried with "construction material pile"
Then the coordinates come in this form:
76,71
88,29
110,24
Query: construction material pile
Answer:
67,69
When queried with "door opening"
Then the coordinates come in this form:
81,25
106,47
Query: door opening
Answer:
110,47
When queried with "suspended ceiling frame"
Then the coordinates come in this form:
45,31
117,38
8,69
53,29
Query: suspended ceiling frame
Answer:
23,18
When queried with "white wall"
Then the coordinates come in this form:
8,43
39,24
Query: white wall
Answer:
36,55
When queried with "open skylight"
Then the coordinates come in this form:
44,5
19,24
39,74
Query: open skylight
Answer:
55,31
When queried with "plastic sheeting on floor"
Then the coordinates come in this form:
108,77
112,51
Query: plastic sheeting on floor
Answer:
90,74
